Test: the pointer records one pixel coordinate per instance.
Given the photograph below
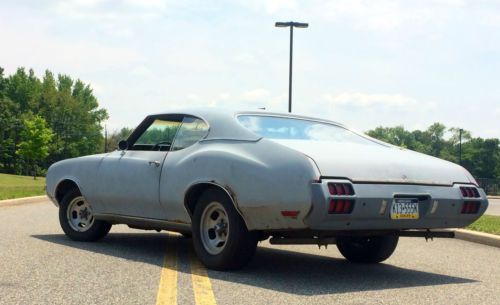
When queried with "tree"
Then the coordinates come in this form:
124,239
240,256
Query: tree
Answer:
35,139
117,136
10,126
68,107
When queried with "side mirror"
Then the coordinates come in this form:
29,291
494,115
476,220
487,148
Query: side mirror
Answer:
123,144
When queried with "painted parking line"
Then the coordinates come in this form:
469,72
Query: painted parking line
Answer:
167,290
203,293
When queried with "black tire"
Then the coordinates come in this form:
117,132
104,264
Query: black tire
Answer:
240,244
367,250
96,231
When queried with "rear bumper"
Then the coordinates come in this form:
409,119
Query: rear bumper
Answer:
439,207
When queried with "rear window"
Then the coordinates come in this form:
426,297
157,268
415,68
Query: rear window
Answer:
274,127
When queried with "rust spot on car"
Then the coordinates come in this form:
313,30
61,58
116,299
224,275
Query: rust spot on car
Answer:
231,193
178,221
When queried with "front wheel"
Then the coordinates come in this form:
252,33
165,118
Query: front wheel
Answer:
77,220
220,237
367,249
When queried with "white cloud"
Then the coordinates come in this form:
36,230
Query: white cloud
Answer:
255,95
110,10
34,47
271,6
141,71
368,100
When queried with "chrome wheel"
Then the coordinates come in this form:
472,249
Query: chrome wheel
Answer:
79,214
214,228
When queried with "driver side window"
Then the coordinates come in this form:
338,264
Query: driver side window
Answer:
159,135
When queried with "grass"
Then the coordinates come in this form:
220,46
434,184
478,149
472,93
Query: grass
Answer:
12,186
487,224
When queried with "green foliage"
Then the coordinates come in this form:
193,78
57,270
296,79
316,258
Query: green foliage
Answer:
14,186
35,138
68,107
116,137
480,156
487,224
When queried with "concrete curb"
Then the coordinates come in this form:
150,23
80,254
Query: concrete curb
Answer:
25,200
493,197
478,237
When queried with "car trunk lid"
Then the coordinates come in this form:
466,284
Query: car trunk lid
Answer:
376,162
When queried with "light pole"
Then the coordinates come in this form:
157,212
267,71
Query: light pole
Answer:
460,146
290,24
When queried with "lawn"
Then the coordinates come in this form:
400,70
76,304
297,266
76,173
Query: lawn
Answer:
12,186
487,224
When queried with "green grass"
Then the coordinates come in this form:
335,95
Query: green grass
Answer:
487,224
12,186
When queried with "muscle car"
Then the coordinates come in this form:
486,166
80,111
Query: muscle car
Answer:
231,179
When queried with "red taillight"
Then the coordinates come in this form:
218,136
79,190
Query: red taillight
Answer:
470,207
340,206
340,189
469,192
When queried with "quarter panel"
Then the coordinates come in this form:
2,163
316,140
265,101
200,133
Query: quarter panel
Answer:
263,177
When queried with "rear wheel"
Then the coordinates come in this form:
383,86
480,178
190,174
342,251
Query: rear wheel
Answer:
367,249
77,220
220,237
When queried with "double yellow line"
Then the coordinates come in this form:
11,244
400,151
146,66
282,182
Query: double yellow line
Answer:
167,290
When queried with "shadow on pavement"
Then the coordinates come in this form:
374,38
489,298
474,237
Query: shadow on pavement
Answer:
273,269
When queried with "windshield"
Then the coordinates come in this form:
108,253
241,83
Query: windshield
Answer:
274,127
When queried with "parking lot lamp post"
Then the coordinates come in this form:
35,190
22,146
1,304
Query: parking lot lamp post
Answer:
291,24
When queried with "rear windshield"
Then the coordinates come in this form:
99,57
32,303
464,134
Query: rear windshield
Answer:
273,127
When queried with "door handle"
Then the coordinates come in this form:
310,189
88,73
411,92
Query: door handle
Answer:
156,163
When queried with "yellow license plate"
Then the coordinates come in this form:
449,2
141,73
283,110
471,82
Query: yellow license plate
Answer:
404,208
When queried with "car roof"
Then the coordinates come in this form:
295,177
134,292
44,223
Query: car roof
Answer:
224,125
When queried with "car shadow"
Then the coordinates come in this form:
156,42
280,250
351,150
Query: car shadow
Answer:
273,269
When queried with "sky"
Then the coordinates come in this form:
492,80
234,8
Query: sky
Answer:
361,63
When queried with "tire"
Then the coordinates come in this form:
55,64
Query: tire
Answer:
76,219
367,250
218,246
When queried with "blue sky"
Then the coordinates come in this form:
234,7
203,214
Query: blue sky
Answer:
362,63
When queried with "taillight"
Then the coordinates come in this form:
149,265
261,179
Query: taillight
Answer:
342,189
340,206
469,192
470,207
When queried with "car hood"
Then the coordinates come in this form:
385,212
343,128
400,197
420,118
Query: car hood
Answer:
376,162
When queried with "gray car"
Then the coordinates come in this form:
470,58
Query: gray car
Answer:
230,179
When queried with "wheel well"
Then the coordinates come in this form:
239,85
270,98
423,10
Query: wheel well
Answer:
195,192
64,187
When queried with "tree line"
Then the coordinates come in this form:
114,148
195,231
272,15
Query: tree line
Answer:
479,156
44,120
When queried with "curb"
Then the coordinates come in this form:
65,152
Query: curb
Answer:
493,197
25,200
478,237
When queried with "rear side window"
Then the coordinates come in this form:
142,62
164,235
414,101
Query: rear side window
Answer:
274,127
191,131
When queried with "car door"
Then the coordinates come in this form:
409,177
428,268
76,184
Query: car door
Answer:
176,171
129,179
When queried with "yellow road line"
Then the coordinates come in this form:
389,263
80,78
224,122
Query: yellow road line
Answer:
203,293
167,290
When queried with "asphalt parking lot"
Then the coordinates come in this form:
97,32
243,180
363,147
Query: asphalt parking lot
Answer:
39,265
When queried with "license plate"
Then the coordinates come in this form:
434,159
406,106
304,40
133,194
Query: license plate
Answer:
404,208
